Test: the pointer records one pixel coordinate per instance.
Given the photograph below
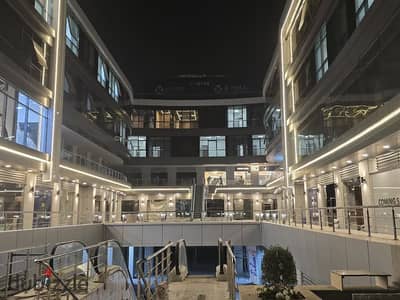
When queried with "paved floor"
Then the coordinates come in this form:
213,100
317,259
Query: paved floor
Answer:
192,287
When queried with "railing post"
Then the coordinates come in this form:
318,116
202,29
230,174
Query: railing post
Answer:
348,221
333,220
294,218
156,272
320,217
368,223
302,218
288,216
220,261
311,218
394,224
177,270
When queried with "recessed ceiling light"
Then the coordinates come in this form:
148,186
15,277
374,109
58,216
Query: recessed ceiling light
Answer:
349,161
365,155
322,172
334,167
312,175
84,183
386,147
7,166
29,170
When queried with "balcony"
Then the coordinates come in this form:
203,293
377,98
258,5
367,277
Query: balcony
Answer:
86,163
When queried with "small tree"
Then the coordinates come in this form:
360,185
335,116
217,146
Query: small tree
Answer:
278,267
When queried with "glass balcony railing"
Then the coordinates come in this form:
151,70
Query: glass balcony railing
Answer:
92,165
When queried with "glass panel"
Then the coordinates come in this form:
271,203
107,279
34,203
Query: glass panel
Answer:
21,124
32,130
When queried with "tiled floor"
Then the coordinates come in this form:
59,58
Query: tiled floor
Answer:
192,287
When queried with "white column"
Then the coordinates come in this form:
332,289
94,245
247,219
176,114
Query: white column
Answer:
29,198
340,191
367,193
118,207
103,206
75,207
56,218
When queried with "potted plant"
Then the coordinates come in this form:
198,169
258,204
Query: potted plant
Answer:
279,275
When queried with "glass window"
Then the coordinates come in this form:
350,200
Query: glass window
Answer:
321,53
32,124
212,146
362,7
237,116
102,71
258,144
45,9
137,146
72,35
113,87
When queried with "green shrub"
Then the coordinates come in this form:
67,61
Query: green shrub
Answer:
278,267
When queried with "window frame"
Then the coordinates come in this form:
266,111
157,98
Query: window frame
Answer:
134,146
361,8
259,145
71,37
214,146
321,53
237,119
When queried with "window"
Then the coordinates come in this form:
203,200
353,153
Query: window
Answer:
32,121
321,53
159,146
362,7
137,146
7,110
102,72
72,35
258,144
237,117
45,9
212,146
113,87
159,178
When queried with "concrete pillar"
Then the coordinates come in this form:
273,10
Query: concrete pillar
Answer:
103,205
85,204
29,198
306,212
230,175
300,201
340,199
367,193
93,210
57,217
75,207
171,175
118,206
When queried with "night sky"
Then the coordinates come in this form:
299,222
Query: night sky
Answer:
158,40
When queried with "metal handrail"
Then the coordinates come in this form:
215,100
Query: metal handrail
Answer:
157,266
230,266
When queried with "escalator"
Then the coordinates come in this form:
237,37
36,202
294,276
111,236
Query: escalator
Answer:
75,271
198,201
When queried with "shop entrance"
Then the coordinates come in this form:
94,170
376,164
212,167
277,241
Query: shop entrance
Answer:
331,203
354,198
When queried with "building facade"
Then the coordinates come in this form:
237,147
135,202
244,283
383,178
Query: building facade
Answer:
213,147
62,124
340,105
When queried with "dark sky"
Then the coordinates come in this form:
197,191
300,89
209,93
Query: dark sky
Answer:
158,40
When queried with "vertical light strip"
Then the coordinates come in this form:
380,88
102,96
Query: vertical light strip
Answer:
55,90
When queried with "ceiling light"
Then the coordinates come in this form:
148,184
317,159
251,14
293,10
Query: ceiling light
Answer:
7,166
348,161
334,167
365,155
322,172
84,183
312,175
386,147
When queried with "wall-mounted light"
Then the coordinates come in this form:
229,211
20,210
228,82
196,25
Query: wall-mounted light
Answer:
77,195
363,180
58,193
32,189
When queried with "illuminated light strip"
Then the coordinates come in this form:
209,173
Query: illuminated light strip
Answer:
94,176
275,181
378,124
295,15
262,188
158,189
23,154
59,36
387,187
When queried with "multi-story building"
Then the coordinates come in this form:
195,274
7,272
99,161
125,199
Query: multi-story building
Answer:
340,105
214,148
62,124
